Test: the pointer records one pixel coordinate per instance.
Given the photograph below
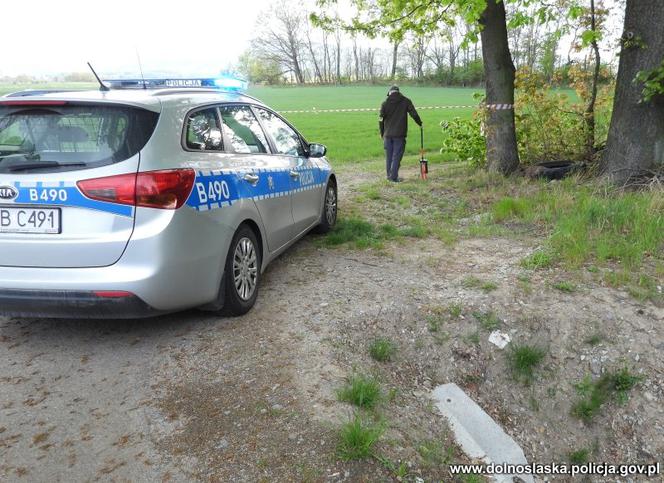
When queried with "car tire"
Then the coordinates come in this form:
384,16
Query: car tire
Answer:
329,216
242,271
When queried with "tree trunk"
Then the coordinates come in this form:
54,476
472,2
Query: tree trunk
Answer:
636,137
395,52
501,149
589,115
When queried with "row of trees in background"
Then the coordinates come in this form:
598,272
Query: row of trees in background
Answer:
293,49
635,143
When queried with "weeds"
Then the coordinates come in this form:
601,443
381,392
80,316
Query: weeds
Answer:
488,320
612,385
362,391
382,349
579,457
594,339
455,310
434,454
357,438
539,259
523,360
474,282
565,286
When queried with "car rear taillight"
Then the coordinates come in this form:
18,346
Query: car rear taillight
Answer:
166,189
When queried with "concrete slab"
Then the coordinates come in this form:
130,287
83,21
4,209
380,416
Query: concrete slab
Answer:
477,433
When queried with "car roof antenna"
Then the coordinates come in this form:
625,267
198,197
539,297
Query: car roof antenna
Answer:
102,87
140,67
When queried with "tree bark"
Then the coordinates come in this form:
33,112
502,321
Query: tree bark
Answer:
501,148
635,145
395,58
589,115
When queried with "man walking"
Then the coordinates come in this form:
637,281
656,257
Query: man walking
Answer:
393,123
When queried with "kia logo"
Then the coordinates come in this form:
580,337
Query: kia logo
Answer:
8,193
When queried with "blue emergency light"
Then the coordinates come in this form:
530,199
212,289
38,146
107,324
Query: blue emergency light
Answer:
226,83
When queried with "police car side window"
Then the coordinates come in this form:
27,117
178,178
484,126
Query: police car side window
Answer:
203,131
242,130
286,140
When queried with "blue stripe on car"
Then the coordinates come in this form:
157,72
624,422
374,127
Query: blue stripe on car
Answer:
64,194
218,189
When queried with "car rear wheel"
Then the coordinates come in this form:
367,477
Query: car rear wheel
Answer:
242,271
329,216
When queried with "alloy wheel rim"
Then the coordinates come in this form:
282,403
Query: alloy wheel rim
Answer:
331,206
245,268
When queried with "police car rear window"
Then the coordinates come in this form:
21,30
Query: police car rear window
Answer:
45,138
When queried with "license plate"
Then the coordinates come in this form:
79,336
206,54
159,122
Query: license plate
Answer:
29,220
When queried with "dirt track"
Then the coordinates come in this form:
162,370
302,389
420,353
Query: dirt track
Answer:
193,396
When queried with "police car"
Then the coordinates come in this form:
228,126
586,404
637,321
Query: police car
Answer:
150,196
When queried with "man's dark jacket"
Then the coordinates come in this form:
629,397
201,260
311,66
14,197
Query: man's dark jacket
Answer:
393,121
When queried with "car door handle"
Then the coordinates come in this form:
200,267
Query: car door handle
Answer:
294,174
251,178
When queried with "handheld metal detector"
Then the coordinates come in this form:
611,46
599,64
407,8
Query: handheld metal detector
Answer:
424,164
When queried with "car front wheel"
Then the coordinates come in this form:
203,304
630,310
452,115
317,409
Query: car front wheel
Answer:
329,216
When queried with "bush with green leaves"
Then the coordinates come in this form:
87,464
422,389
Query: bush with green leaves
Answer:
464,139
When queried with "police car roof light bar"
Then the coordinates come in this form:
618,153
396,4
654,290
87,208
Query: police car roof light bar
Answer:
219,83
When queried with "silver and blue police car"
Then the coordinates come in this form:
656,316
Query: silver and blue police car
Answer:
149,197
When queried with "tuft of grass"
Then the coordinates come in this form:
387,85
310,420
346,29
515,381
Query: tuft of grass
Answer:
362,391
612,385
434,454
564,286
579,457
382,349
510,208
474,282
359,232
523,360
455,310
539,259
474,338
594,339
488,320
357,438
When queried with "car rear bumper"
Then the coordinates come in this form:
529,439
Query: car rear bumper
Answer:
73,304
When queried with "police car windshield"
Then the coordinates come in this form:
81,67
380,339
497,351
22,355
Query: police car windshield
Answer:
64,137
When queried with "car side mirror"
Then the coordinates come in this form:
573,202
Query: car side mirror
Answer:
317,150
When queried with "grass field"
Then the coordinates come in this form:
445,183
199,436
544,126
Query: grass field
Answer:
349,136
353,136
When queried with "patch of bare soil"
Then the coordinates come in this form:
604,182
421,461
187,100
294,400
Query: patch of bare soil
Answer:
254,398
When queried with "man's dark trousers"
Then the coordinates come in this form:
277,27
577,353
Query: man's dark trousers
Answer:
394,148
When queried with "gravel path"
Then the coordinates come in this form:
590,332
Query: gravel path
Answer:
192,396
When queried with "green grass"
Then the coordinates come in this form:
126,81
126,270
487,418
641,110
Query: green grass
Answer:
434,454
361,391
595,339
579,457
539,259
477,283
564,286
357,438
488,320
589,224
523,360
382,349
594,394
353,136
455,310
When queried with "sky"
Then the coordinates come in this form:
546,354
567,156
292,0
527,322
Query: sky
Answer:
46,37
187,38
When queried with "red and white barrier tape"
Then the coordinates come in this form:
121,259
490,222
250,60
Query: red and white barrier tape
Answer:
491,107
368,109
